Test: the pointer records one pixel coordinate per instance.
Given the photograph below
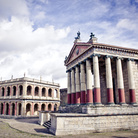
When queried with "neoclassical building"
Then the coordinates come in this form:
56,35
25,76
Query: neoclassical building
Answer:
101,73
26,96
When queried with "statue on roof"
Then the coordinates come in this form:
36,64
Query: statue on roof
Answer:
91,35
78,35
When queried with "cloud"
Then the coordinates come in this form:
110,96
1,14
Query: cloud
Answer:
13,7
36,52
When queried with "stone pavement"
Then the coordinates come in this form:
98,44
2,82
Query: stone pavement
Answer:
27,125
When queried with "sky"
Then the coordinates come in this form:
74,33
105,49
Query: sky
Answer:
37,35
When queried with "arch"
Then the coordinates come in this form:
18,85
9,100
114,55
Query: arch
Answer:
55,93
43,107
1,112
7,108
55,107
13,108
14,90
50,92
29,89
28,109
36,91
8,91
43,92
3,91
20,90
36,109
19,108
49,107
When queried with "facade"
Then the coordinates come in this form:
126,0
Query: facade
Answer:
26,96
102,89
101,74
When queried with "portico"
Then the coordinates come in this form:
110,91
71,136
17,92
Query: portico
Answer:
100,73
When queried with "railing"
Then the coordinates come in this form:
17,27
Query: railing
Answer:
29,79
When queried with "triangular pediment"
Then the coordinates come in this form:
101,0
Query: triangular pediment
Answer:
77,50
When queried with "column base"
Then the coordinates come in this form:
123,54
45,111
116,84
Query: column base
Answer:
121,96
83,97
98,104
78,95
69,98
97,96
89,96
110,95
132,96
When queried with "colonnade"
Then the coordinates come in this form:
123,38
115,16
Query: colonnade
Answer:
80,89
30,108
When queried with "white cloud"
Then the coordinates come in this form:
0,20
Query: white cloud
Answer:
38,52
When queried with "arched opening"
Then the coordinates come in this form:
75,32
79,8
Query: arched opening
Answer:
13,109
49,107
36,91
43,107
29,88
3,90
28,109
8,91
50,92
14,90
1,112
55,93
55,107
36,109
43,92
19,108
20,90
7,108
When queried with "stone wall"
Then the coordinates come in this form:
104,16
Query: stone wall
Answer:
110,110
64,124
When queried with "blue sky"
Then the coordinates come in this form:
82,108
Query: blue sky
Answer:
36,35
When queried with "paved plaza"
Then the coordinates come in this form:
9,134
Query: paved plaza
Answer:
29,128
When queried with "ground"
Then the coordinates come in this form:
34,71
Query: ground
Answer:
11,128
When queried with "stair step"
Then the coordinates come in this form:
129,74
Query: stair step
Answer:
47,124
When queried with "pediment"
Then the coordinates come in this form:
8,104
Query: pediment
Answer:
76,51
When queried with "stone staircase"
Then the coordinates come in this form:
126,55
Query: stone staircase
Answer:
47,124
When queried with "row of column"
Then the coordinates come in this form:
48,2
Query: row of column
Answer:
80,89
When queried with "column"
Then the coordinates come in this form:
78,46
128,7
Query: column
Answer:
109,83
32,113
97,94
131,82
17,92
10,91
69,87
5,91
9,109
46,106
120,81
39,107
3,108
24,89
89,82
40,92
73,92
83,84
78,93
15,113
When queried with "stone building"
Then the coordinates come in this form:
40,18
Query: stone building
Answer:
103,85
26,96
111,69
